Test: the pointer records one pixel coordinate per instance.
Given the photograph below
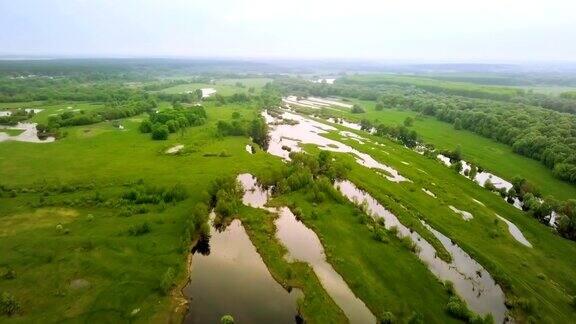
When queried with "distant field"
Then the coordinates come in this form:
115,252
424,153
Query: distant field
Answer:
456,88
224,87
494,156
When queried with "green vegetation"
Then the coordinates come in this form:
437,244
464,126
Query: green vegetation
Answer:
98,225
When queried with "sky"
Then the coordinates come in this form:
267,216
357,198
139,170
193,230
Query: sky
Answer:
430,30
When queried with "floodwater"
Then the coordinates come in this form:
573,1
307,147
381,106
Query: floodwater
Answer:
29,134
325,80
207,92
471,281
482,177
465,215
304,245
428,192
314,102
33,110
347,124
515,232
175,149
303,130
229,277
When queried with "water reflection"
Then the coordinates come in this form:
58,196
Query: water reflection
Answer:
515,232
304,245
289,130
229,277
471,281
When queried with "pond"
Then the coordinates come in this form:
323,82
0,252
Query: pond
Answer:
471,281
304,245
228,276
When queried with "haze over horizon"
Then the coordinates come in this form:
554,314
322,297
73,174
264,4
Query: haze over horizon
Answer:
412,30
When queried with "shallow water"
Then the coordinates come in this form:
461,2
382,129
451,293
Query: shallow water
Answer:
515,232
345,123
34,110
325,80
471,281
465,215
428,192
331,102
229,277
304,245
207,92
482,177
30,134
308,131
175,149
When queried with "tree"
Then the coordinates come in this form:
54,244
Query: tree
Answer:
379,106
259,132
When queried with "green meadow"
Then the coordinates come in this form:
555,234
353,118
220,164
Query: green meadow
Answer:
71,250
225,87
496,157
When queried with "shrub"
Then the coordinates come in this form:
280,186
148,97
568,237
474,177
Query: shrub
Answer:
227,319
416,318
387,318
145,126
457,309
159,132
356,109
8,304
137,230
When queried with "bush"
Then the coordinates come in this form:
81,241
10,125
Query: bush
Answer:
387,318
227,319
8,304
457,309
357,109
159,132
9,274
145,127
416,318
137,230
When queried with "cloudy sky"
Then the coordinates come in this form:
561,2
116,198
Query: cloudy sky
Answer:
467,30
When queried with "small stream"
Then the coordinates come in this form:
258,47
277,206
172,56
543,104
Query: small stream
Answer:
471,281
304,245
228,276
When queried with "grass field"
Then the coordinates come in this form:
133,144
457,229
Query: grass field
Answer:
449,87
491,155
76,261
123,271
223,87
524,273
11,131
